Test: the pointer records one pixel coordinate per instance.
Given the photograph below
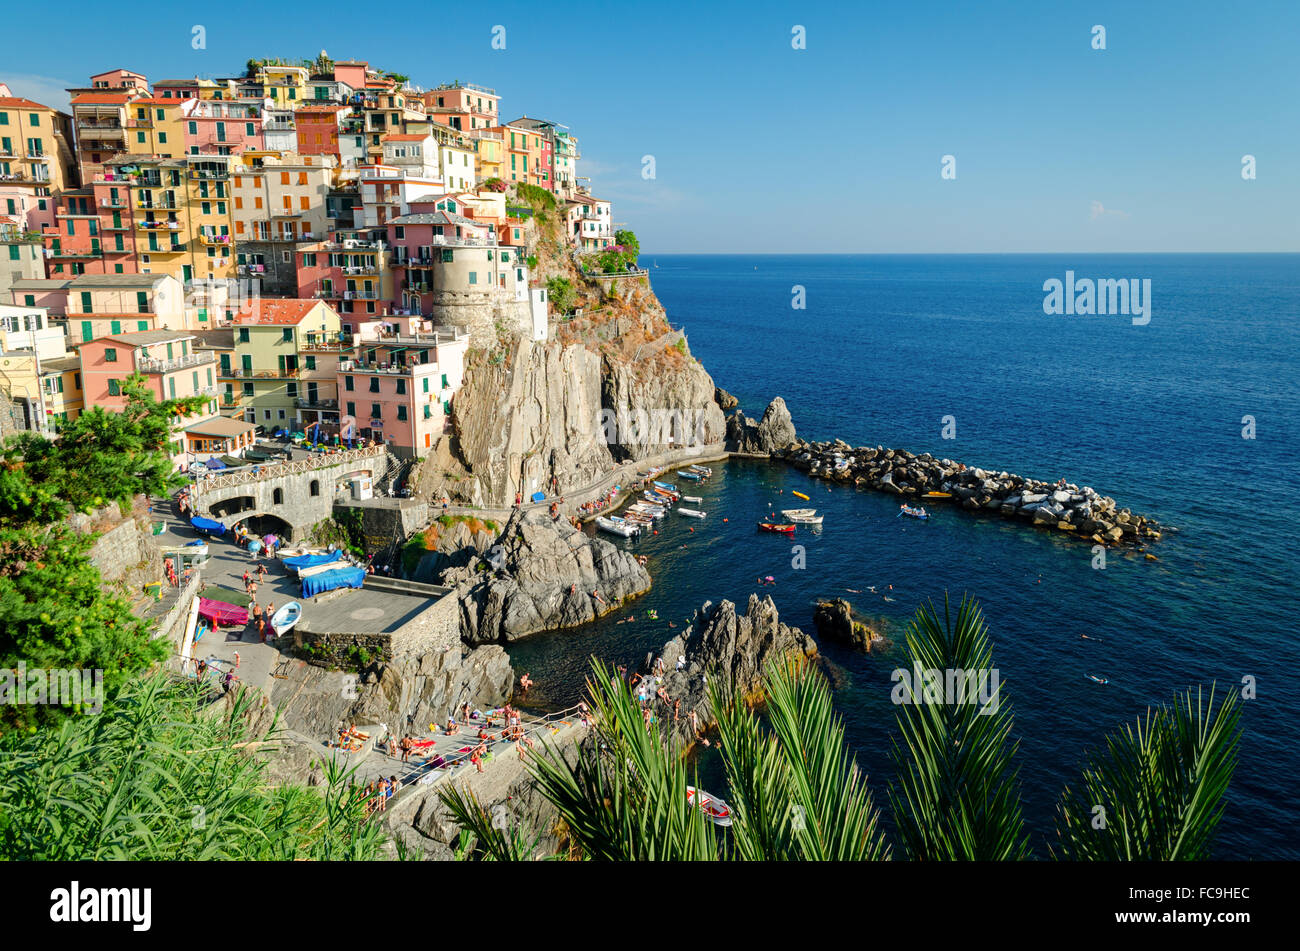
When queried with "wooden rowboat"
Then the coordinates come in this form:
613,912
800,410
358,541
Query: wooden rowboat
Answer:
787,529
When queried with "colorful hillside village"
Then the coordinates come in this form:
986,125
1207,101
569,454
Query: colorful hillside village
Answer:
313,246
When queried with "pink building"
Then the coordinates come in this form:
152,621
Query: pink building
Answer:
172,370
349,272
398,389
223,127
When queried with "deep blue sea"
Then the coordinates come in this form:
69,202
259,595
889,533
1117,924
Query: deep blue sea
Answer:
886,347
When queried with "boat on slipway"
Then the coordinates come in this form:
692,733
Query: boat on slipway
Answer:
286,617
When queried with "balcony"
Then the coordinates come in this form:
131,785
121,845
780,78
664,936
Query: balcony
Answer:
151,204
69,254
361,295
143,225
113,203
155,365
26,178
205,174
308,402
230,399
173,248
214,240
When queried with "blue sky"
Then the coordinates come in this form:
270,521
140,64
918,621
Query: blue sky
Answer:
759,147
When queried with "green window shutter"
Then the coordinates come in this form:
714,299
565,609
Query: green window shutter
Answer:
444,381
117,327
86,307
171,386
113,388
142,302
247,362
142,325
87,331
426,384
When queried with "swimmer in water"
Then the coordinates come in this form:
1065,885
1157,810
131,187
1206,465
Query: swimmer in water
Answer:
853,590
872,589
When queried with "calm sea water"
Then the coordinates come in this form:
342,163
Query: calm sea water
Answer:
889,345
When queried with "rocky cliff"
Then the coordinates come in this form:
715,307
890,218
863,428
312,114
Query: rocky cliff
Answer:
541,574
613,382
773,432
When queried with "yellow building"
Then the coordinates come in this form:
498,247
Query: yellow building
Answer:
286,86
155,127
36,159
182,212
265,379
489,155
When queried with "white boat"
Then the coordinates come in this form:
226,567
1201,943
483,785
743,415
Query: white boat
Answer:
808,519
691,513
717,810
649,511
616,528
795,514
702,470
286,617
693,499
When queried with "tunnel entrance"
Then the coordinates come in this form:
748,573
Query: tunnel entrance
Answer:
261,525
228,507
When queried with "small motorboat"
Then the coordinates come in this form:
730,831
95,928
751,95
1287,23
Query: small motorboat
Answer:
286,617
702,470
796,514
787,529
617,528
691,513
808,519
1098,680
691,476
665,485
913,513
693,499
717,810
800,495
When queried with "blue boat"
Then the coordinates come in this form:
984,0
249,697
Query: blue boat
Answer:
665,485
206,526
692,476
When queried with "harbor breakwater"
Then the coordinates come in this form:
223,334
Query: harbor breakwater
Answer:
1077,510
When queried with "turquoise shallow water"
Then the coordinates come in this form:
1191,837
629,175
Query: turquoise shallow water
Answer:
1150,415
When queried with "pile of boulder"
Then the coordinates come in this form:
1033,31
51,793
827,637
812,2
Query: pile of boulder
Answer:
1078,510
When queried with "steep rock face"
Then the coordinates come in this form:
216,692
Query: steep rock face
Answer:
614,386
773,432
545,577
725,647
409,692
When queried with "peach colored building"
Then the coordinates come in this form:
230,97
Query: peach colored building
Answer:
172,369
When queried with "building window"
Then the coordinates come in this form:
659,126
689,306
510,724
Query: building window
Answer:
277,496
287,334
110,355
374,384
401,413
314,488
243,335
114,389
348,385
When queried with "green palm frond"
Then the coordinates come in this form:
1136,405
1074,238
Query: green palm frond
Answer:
623,797
1157,793
481,836
957,793
797,793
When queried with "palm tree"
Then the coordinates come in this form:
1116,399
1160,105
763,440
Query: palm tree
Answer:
796,792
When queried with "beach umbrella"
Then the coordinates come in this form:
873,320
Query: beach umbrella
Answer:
268,540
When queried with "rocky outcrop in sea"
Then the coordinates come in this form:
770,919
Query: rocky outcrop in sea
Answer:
541,574
1079,510
834,621
774,432
728,648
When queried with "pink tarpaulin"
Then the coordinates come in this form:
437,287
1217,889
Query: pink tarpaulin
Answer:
219,612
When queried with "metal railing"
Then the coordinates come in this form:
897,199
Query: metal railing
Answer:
275,470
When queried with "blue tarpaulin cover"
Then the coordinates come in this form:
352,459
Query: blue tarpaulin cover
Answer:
310,561
538,496
313,585
207,526
215,463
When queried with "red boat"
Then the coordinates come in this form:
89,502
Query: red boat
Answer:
776,527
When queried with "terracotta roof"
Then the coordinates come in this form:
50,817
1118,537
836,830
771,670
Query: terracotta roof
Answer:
155,101
101,98
271,311
17,102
